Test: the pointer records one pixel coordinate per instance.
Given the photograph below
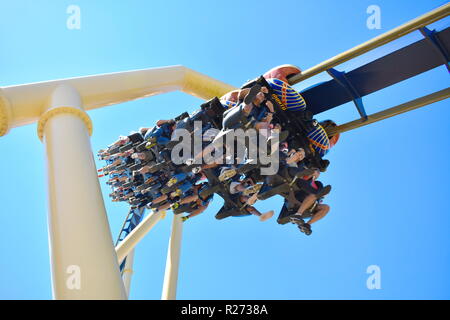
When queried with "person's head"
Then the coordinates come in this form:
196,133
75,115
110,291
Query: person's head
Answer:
327,125
172,123
143,131
282,72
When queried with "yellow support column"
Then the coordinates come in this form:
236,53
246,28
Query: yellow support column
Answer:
127,272
173,260
124,248
5,114
83,260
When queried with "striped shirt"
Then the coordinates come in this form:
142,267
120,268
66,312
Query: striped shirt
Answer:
288,95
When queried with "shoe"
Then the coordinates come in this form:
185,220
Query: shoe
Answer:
297,220
172,181
325,190
227,174
306,229
324,163
253,189
176,193
183,219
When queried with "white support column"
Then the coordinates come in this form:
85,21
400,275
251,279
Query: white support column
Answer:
173,260
125,247
83,260
127,272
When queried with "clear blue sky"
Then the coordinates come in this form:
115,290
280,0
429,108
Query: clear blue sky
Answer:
390,179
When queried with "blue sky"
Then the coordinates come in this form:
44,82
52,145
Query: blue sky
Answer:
390,179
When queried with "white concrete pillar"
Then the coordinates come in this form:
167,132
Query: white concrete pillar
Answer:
124,247
127,272
83,260
173,260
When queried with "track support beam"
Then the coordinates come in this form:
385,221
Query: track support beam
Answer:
173,260
402,108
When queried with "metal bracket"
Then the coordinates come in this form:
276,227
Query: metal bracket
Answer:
430,35
342,79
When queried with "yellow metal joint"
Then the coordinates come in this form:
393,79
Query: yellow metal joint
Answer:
62,110
5,114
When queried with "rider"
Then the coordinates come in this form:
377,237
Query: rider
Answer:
293,100
311,200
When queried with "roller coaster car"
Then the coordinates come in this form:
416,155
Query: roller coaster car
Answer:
285,183
232,210
138,164
158,166
230,207
181,116
112,150
210,112
134,201
121,167
169,189
142,147
246,167
296,122
128,184
213,111
155,206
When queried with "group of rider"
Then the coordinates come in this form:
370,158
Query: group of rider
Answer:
142,173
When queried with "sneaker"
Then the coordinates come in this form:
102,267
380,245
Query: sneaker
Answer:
325,190
297,220
305,228
252,189
172,182
227,174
